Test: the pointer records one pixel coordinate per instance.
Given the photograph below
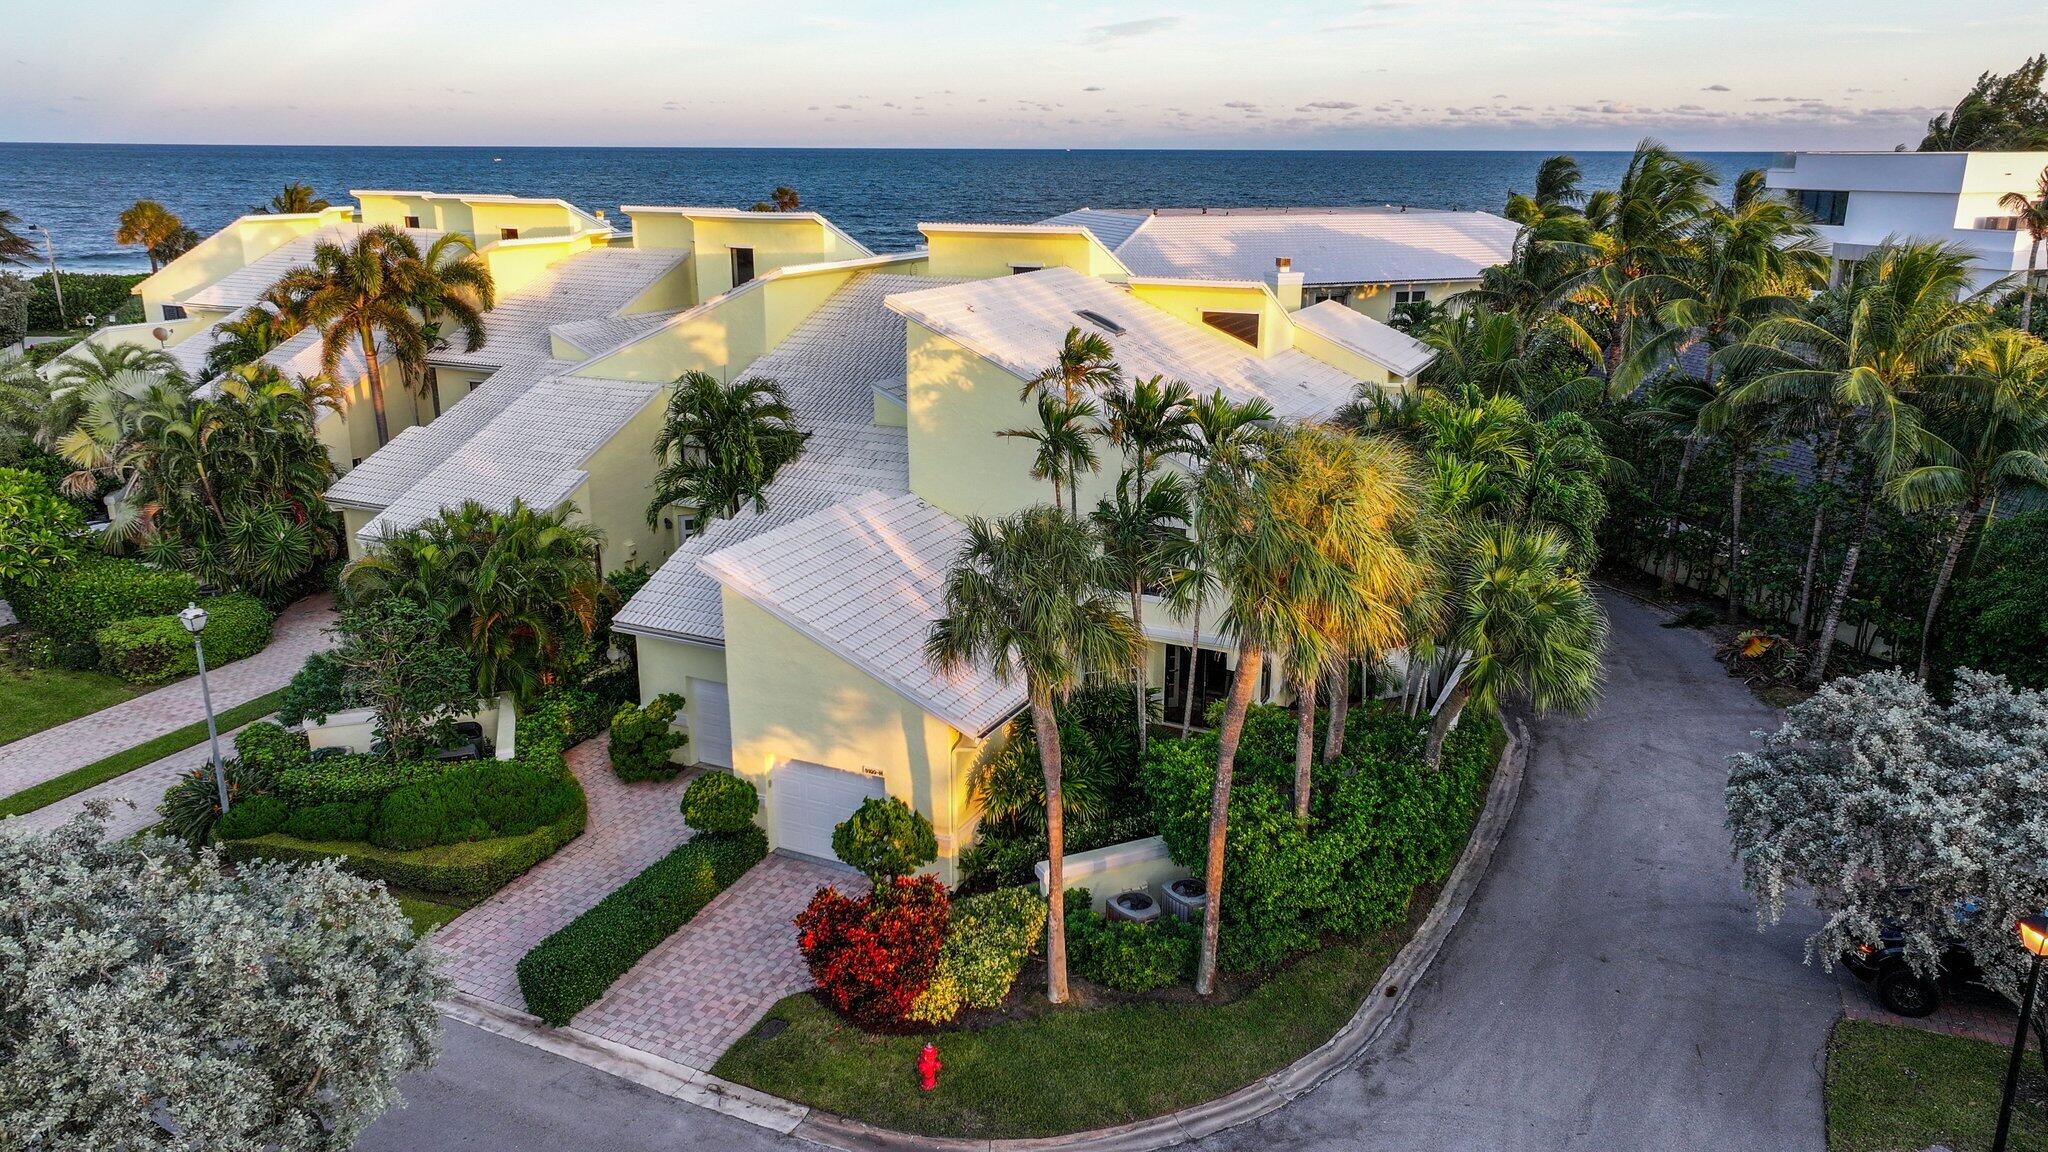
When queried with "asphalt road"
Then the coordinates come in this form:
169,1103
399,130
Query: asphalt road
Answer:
1607,989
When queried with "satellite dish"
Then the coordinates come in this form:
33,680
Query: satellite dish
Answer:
161,334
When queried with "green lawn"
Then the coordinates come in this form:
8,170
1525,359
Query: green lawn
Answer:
99,771
426,915
1894,1089
1067,1070
32,699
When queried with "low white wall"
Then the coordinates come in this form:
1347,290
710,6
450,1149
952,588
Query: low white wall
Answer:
1133,866
356,729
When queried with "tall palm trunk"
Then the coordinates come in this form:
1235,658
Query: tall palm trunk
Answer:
1440,724
1735,539
1669,568
1941,579
1824,643
375,373
1304,741
1187,704
1822,476
2026,302
1340,711
1047,729
1138,673
1250,659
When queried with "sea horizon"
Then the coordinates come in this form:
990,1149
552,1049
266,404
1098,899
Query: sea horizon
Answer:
77,188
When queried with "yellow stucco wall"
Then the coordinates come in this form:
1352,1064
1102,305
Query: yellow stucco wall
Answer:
234,247
1377,300
985,254
778,240
353,520
1188,299
794,700
615,497
516,263
1339,357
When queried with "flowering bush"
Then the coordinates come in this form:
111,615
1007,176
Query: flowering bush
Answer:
873,956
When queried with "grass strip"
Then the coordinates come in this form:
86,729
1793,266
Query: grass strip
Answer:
1891,1087
148,752
32,700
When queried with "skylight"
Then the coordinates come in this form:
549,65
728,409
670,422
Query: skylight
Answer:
1101,321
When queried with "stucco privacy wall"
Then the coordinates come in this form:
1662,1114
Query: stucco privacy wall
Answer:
792,699
1186,300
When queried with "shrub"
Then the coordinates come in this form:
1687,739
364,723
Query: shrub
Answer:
569,970
566,718
412,817
884,839
473,801
72,606
873,956
269,750
331,822
191,805
318,690
152,649
349,777
1126,956
642,738
719,802
38,530
259,814
987,941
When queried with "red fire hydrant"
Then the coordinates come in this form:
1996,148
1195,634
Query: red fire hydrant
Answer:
928,1068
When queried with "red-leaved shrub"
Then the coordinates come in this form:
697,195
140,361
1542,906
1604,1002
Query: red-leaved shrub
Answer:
871,956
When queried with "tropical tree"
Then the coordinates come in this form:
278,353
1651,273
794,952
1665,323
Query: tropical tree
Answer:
1029,598
782,199
296,198
14,247
1224,438
721,445
1148,421
1144,539
2006,113
1085,364
2032,213
518,589
247,338
155,229
95,402
1986,426
367,297
1065,440
1526,626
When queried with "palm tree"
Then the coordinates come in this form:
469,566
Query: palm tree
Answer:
363,298
154,228
246,339
1085,364
1559,191
1064,442
14,247
782,199
2032,212
1862,353
721,445
1144,540
1223,443
1148,422
297,198
1987,426
92,390
1028,597
1302,542
1526,625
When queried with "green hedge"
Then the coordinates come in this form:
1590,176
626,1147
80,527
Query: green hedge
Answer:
70,608
462,871
1124,955
153,649
569,970
107,296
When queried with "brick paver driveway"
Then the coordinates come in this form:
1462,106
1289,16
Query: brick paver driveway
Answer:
301,630
702,988
631,826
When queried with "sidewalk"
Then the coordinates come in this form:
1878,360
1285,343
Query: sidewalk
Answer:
45,755
132,796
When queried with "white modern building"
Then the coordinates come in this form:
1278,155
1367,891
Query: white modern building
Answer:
1861,199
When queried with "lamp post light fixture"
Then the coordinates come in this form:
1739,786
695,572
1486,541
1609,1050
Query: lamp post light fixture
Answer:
194,620
2033,932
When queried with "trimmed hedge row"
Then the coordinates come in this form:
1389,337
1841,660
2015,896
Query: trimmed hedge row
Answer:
71,607
569,970
153,649
462,871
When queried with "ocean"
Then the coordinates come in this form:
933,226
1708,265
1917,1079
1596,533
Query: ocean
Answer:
877,194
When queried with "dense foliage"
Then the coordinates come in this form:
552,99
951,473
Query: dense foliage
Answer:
720,803
721,445
39,530
105,296
643,738
153,649
1998,621
872,956
885,838
71,607
397,659
152,998
1127,956
988,938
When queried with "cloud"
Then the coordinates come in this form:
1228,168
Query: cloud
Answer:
1325,105
1126,29
1717,88
1241,105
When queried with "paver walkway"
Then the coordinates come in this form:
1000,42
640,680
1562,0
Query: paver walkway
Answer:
631,826
131,797
705,986
301,630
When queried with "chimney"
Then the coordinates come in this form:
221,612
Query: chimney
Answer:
1286,283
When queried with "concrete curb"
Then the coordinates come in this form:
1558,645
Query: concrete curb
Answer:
1257,1099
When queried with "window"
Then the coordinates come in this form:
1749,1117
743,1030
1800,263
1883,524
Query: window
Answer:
412,221
742,266
1830,208
508,233
1999,223
1243,325
174,312
1020,269
1410,295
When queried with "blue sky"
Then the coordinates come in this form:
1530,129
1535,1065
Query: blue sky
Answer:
1741,74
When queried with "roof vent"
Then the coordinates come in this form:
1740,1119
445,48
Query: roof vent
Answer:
1101,321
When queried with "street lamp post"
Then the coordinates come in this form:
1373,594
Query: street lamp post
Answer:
56,285
194,620
2033,932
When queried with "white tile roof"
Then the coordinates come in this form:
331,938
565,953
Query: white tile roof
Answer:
247,284
534,450
1383,344
1018,323
405,461
828,367
865,579
591,285
607,332
1327,246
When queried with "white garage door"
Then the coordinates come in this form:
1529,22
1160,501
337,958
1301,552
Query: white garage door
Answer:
810,799
711,731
